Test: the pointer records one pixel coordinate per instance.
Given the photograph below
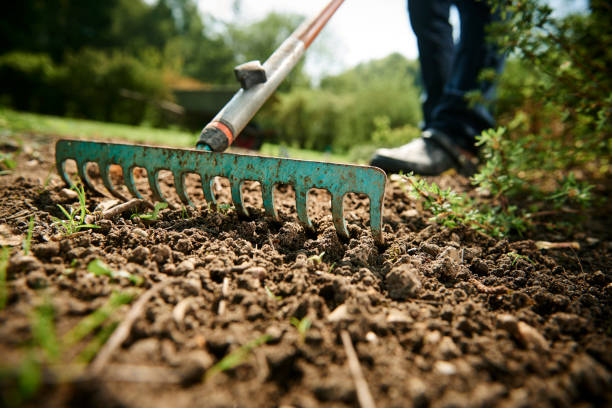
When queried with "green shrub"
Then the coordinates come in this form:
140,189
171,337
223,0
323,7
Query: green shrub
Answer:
30,81
112,87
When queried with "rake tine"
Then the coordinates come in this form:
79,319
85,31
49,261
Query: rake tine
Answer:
179,184
105,174
267,193
376,221
207,186
338,214
82,169
237,196
61,166
154,183
301,196
128,178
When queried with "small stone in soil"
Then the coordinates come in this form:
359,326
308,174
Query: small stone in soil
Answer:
403,282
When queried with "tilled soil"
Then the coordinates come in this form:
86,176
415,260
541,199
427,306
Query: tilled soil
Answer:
438,317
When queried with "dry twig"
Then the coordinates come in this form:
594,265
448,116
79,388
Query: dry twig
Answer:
125,327
363,391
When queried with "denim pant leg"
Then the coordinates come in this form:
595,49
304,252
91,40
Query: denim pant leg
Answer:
474,53
446,107
429,20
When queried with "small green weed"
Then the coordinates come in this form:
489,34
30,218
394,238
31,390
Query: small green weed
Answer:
317,258
236,357
271,294
95,319
92,348
43,330
27,240
4,256
75,222
98,268
302,326
224,208
517,256
7,163
153,215
47,349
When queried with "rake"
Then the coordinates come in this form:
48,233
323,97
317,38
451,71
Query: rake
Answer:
258,82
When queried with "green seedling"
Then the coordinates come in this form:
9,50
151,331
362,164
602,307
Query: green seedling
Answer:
43,330
95,319
317,258
99,268
236,357
224,208
92,348
271,294
4,256
153,215
27,240
519,256
302,326
331,268
74,223
184,215
7,163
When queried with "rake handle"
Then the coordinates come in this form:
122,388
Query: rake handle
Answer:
219,134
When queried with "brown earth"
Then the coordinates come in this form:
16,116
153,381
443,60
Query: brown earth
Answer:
438,317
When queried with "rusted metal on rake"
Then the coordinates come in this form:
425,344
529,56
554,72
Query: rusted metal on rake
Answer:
303,175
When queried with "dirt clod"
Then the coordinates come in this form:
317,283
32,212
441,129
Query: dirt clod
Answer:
403,282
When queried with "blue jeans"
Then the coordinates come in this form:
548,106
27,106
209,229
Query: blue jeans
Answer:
451,70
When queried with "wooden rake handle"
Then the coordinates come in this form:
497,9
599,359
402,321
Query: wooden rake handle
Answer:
260,81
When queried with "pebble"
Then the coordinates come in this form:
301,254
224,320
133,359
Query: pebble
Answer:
445,368
139,255
397,316
68,194
339,314
529,337
403,282
371,337
185,267
257,272
448,349
139,232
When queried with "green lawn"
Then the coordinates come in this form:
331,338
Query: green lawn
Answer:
89,129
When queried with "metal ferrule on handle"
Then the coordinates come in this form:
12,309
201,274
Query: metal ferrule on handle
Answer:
219,134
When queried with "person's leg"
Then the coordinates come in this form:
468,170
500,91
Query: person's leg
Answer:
454,115
429,20
448,140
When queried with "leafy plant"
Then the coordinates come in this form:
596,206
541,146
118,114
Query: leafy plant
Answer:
153,215
302,326
236,357
98,268
27,240
75,222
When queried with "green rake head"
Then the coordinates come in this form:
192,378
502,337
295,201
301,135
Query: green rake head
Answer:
338,179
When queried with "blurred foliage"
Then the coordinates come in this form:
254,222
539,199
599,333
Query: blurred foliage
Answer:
377,98
555,105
